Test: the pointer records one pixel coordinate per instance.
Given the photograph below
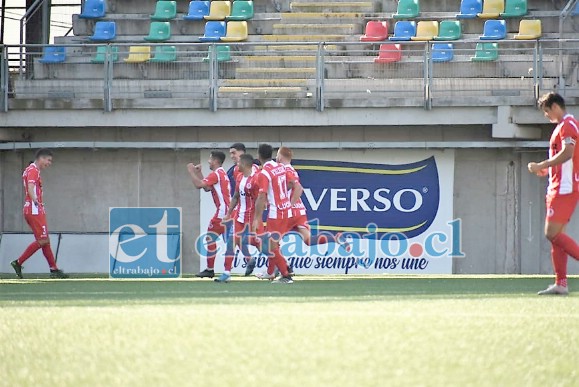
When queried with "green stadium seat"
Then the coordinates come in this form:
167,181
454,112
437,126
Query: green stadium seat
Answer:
164,54
515,8
486,52
241,10
223,54
101,54
159,32
449,30
165,10
407,9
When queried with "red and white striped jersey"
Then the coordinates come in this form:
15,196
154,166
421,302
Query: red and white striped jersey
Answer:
247,188
237,173
564,178
219,183
272,180
31,175
292,175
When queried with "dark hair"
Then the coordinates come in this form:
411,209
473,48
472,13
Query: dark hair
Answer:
246,159
265,151
218,155
238,146
44,152
550,99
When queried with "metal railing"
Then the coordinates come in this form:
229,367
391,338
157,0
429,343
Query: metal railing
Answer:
305,75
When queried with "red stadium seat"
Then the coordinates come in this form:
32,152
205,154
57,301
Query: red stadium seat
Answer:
376,31
389,53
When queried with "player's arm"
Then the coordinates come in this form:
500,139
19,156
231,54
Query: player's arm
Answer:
197,177
32,192
259,209
562,156
297,191
232,205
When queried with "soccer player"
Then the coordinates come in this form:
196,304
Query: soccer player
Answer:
217,183
35,215
272,184
235,152
241,211
562,166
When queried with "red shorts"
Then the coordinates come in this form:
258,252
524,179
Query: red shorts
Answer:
278,226
215,226
560,208
38,225
241,228
297,222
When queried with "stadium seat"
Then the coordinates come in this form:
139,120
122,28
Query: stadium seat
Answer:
223,54
93,9
219,10
101,54
449,30
515,8
494,30
529,30
403,30
214,31
492,9
53,54
442,52
197,10
164,54
376,31
236,32
486,52
469,9
104,31
389,53
138,54
426,30
407,9
576,11
165,10
159,32
241,10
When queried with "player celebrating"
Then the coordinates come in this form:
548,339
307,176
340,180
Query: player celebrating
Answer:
235,152
241,211
217,183
272,184
563,191
35,215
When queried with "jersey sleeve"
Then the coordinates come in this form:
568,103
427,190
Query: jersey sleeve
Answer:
262,183
211,179
569,133
291,176
32,176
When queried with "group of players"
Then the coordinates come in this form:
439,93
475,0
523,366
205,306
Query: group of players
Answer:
241,195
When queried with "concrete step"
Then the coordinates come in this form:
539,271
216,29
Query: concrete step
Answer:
316,29
279,61
295,49
322,17
281,92
306,38
275,72
333,6
278,82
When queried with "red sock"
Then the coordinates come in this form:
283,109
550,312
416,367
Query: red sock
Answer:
271,265
565,242
31,249
228,263
211,250
559,257
280,262
47,251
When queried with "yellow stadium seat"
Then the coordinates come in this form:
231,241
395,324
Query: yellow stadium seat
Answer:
219,10
426,30
529,30
492,9
236,31
138,54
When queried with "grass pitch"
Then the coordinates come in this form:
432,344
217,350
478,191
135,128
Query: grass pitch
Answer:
338,331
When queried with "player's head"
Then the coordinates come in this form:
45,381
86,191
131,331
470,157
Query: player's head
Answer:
216,159
553,106
245,163
284,155
265,152
235,151
43,158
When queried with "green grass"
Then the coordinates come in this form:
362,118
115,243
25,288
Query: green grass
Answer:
371,331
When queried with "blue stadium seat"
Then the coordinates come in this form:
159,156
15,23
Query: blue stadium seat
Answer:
469,9
576,11
197,10
442,52
404,30
93,9
104,31
494,30
214,31
53,54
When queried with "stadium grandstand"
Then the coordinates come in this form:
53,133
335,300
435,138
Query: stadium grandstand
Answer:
136,89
